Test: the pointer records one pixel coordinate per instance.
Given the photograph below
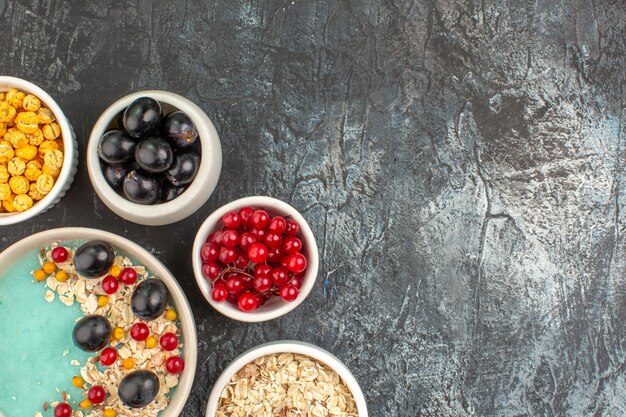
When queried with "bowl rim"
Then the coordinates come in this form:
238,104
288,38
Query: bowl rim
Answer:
197,193
287,346
69,150
308,241
158,269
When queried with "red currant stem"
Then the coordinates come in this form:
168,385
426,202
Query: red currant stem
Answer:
233,269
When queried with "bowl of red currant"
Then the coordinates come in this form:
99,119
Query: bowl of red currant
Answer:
154,157
255,259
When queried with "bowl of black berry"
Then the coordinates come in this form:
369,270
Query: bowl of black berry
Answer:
154,157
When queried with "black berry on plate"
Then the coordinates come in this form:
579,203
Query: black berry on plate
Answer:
180,130
149,299
94,258
138,389
154,155
142,117
116,147
115,174
170,192
184,169
141,188
91,333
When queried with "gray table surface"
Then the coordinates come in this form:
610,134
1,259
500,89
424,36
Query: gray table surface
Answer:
460,162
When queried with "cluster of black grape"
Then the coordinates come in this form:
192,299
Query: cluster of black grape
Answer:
154,158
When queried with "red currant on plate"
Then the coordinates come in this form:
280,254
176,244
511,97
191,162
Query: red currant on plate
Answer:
244,214
296,281
259,234
235,284
217,237
230,238
275,255
231,220
257,253
59,254
139,331
169,341
242,261
246,239
174,365
219,293
211,270
292,245
289,292
262,283
109,284
228,255
259,219
108,356
63,410
279,276
277,225
292,228
262,270
128,276
247,301
296,263
96,394
273,240
210,252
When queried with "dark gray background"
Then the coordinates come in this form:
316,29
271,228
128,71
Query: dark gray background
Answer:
460,162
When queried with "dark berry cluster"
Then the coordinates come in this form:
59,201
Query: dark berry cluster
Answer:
154,158
253,257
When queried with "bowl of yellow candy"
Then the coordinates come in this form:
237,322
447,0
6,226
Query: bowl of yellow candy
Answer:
38,151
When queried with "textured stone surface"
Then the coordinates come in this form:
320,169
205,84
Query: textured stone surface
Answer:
461,164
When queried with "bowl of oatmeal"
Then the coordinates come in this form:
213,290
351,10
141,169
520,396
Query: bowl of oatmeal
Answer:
50,287
286,378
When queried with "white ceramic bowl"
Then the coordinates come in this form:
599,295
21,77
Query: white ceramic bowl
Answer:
70,152
33,242
274,307
196,194
289,346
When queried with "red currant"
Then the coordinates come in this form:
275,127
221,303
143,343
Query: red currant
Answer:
228,255
211,270
244,214
63,410
210,252
246,239
231,220
262,298
289,292
139,331
219,293
109,284
174,365
292,245
59,254
96,394
279,276
235,284
292,228
262,270
283,262
128,276
259,219
242,261
257,253
247,301
169,341
217,238
296,281
296,263
275,255
230,238
262,283
108,356
273,240
277,225
259,234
